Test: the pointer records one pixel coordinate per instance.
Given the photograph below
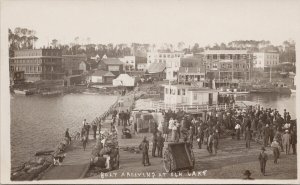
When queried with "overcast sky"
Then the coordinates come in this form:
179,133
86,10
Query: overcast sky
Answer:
205,22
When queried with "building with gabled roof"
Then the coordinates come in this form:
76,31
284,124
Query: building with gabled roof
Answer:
113,65
101,76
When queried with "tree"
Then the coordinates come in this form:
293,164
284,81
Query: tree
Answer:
54,43
21,38
195,48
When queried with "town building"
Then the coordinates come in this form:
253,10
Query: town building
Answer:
191,69
38,64
156,71
74,64
141,63
228,65
265,59
101,77
162,56
188,95
128,63
124,80
113,65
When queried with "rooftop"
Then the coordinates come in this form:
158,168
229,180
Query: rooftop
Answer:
157,67
226,52
112,61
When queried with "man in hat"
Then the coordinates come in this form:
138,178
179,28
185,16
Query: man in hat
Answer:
247,174
160,144
154,143
276,150
286,138
144,146
263,157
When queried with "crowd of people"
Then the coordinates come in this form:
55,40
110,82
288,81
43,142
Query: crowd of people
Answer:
254,123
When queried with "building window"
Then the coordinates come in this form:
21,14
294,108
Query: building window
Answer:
167,90
215,56
183,91
178,91
222,56
195,96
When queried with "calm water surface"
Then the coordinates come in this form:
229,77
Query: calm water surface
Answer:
280,102
38,123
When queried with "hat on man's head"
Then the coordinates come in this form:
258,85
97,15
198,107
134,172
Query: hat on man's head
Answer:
286,130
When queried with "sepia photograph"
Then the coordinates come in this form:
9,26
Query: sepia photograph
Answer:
140,91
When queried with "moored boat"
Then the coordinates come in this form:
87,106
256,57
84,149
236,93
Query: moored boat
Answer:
23,92
51,93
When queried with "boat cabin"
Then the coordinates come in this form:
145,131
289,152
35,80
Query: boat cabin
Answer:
188,95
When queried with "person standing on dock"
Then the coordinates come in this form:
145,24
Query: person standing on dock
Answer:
84,138
294,141
276,150
160,144
87,128
284,114
266,133
94,127
263,158
144,146
237,130
286,138
67,135
248,137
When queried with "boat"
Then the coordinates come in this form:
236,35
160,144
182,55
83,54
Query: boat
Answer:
51,93
23,92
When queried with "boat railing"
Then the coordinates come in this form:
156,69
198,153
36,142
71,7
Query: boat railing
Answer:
195,108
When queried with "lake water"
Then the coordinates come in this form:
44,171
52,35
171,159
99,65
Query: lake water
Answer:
280,102
39,123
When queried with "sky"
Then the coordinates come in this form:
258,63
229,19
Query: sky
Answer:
115,21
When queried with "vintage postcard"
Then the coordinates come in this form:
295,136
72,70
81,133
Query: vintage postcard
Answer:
140,91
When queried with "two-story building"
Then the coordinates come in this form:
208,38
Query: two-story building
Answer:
129,63
162,56
141,63
113,65
191,69
74,64
228,65
38,64
265,59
